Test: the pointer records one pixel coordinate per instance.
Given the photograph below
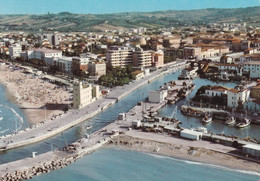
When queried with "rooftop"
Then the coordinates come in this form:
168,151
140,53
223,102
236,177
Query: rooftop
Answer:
219,88
47,50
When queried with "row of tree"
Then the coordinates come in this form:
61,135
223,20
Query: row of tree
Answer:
117,76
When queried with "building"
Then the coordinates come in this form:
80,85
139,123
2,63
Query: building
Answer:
192,52
236,97
119,56
97,68
15,51
157,96
125,56
158,58
190,134
138,74
255,92
142,59
79,64
250,57
227,70
252,68
172,42
252,150
216,91
64,64
84,94
47,55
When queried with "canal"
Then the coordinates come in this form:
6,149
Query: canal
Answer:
124,105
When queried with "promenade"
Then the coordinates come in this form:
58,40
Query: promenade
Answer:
73,117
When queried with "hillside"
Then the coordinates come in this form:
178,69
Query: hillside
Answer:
93,22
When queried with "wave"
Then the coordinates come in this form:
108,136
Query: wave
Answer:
1,118
19,117
1,132
206,164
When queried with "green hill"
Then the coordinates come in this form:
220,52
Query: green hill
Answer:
93,22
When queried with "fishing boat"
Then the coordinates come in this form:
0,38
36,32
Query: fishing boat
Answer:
206,119
244,123
230,121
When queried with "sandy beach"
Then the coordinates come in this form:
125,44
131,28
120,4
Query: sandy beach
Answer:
182,151
33,95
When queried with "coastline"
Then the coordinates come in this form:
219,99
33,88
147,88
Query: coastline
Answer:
15,92
201,155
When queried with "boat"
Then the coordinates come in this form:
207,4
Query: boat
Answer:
200,129
230,121
244,123
206,119
88,127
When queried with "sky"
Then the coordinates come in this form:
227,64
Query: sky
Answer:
114,6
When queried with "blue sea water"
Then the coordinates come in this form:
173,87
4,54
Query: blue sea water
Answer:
120,165
11,116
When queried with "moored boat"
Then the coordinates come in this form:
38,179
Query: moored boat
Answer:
206,119
230,121
244,123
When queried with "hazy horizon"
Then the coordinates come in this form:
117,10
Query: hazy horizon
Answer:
115,6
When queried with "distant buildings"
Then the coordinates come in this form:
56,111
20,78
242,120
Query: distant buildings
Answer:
84,94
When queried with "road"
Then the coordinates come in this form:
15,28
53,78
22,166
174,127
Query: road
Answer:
73,117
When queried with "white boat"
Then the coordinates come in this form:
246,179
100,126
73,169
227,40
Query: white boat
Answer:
230,121
244,123
206,119
88,127
200,129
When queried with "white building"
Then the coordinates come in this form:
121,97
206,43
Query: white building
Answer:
64,64
157,96
216,91
251,149
44,54
119,56
15,51
234,97
142,58
84,94
253,68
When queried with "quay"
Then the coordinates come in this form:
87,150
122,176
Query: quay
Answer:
44,163
50,128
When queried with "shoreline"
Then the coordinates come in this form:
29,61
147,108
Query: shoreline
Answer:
19,88
201,155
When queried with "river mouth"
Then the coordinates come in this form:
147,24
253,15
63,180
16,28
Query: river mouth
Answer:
109,115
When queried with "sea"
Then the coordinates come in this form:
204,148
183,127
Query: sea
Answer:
120,165
11,116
